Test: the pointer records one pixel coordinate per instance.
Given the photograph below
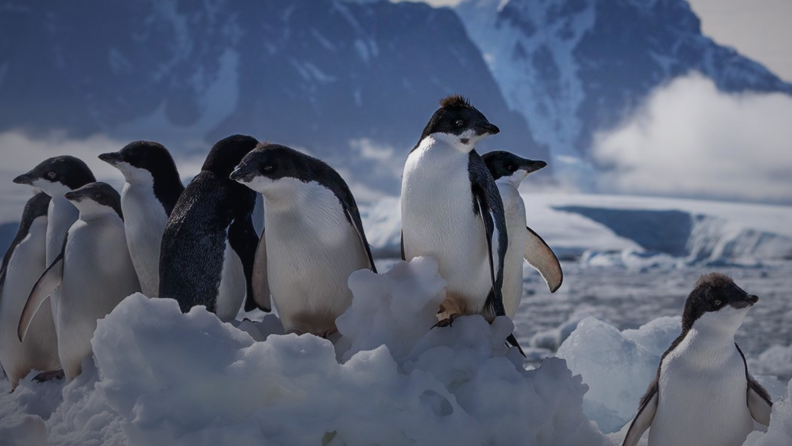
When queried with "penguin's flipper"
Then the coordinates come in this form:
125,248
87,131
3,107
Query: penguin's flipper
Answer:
49,281
353,216
487,204
544,260
404,257
643,420
261,291
244,241
759,403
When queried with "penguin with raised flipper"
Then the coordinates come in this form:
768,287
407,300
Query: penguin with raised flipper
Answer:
23,263
152,187
209,244
509,170
93,273
452,211
313,238
703,393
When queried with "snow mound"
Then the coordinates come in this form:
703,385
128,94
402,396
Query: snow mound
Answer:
779,433
166,378
617,366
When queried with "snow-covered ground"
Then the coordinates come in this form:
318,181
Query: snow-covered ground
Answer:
160,377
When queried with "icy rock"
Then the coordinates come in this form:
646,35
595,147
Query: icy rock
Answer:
779,433
776,360
553,338
617,366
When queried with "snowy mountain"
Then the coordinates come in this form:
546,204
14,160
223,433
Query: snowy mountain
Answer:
353,83
573,67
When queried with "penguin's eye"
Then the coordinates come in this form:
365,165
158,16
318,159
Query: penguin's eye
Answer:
268,168
97,196
511,168
459,123
717,302
51,175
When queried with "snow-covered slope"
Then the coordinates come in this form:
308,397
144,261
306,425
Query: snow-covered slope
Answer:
575,67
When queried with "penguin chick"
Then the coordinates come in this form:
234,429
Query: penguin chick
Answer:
152,187
452,211
703,393
93,273
313,238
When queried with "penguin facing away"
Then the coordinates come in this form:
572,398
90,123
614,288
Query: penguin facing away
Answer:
209,244
509,170
313,238
22,265
93,273
452,211
703,393
152,187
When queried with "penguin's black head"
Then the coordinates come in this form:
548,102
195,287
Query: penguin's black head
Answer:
459,122
148,155
504,164
57,175
716,294
227,154
38,205
269,163
95,198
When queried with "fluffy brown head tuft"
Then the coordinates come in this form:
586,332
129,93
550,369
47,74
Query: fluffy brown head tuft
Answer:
455,101
713,280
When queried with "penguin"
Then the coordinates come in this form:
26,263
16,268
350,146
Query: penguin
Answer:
23,263
56,176
152,187
93,273
702,393
451,210
209,244
509,170
313,238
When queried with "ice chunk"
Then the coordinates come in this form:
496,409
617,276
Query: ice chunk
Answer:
617,366
779,433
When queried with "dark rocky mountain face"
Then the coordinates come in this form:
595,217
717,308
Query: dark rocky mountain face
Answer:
314,74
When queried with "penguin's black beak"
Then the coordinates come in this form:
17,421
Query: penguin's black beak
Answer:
111,158
243,173
487,128
26,178
753,299
72,196
532,166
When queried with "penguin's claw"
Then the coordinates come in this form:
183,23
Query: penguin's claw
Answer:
49,376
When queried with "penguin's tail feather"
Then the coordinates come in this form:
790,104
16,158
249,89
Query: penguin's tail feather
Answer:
512,342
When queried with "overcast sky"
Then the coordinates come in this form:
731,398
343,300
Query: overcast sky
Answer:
759,29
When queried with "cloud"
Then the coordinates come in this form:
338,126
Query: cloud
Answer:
20,152
692,140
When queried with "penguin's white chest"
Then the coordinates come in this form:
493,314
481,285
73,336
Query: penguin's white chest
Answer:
97,275
144,224
702,398
232,289
39,350
438,220
311,251
514,211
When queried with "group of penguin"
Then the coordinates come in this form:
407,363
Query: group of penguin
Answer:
84,247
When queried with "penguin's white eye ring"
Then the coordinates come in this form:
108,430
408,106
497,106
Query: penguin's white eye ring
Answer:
717,302
459,123
51,175
268,168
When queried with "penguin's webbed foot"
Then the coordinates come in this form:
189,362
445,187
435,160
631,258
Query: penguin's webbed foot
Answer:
49,376
447,322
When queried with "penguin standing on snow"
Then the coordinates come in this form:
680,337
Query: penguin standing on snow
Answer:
703,394
509,170
150,192
313,238
56,176
209,243
451,210
23,263
93,273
